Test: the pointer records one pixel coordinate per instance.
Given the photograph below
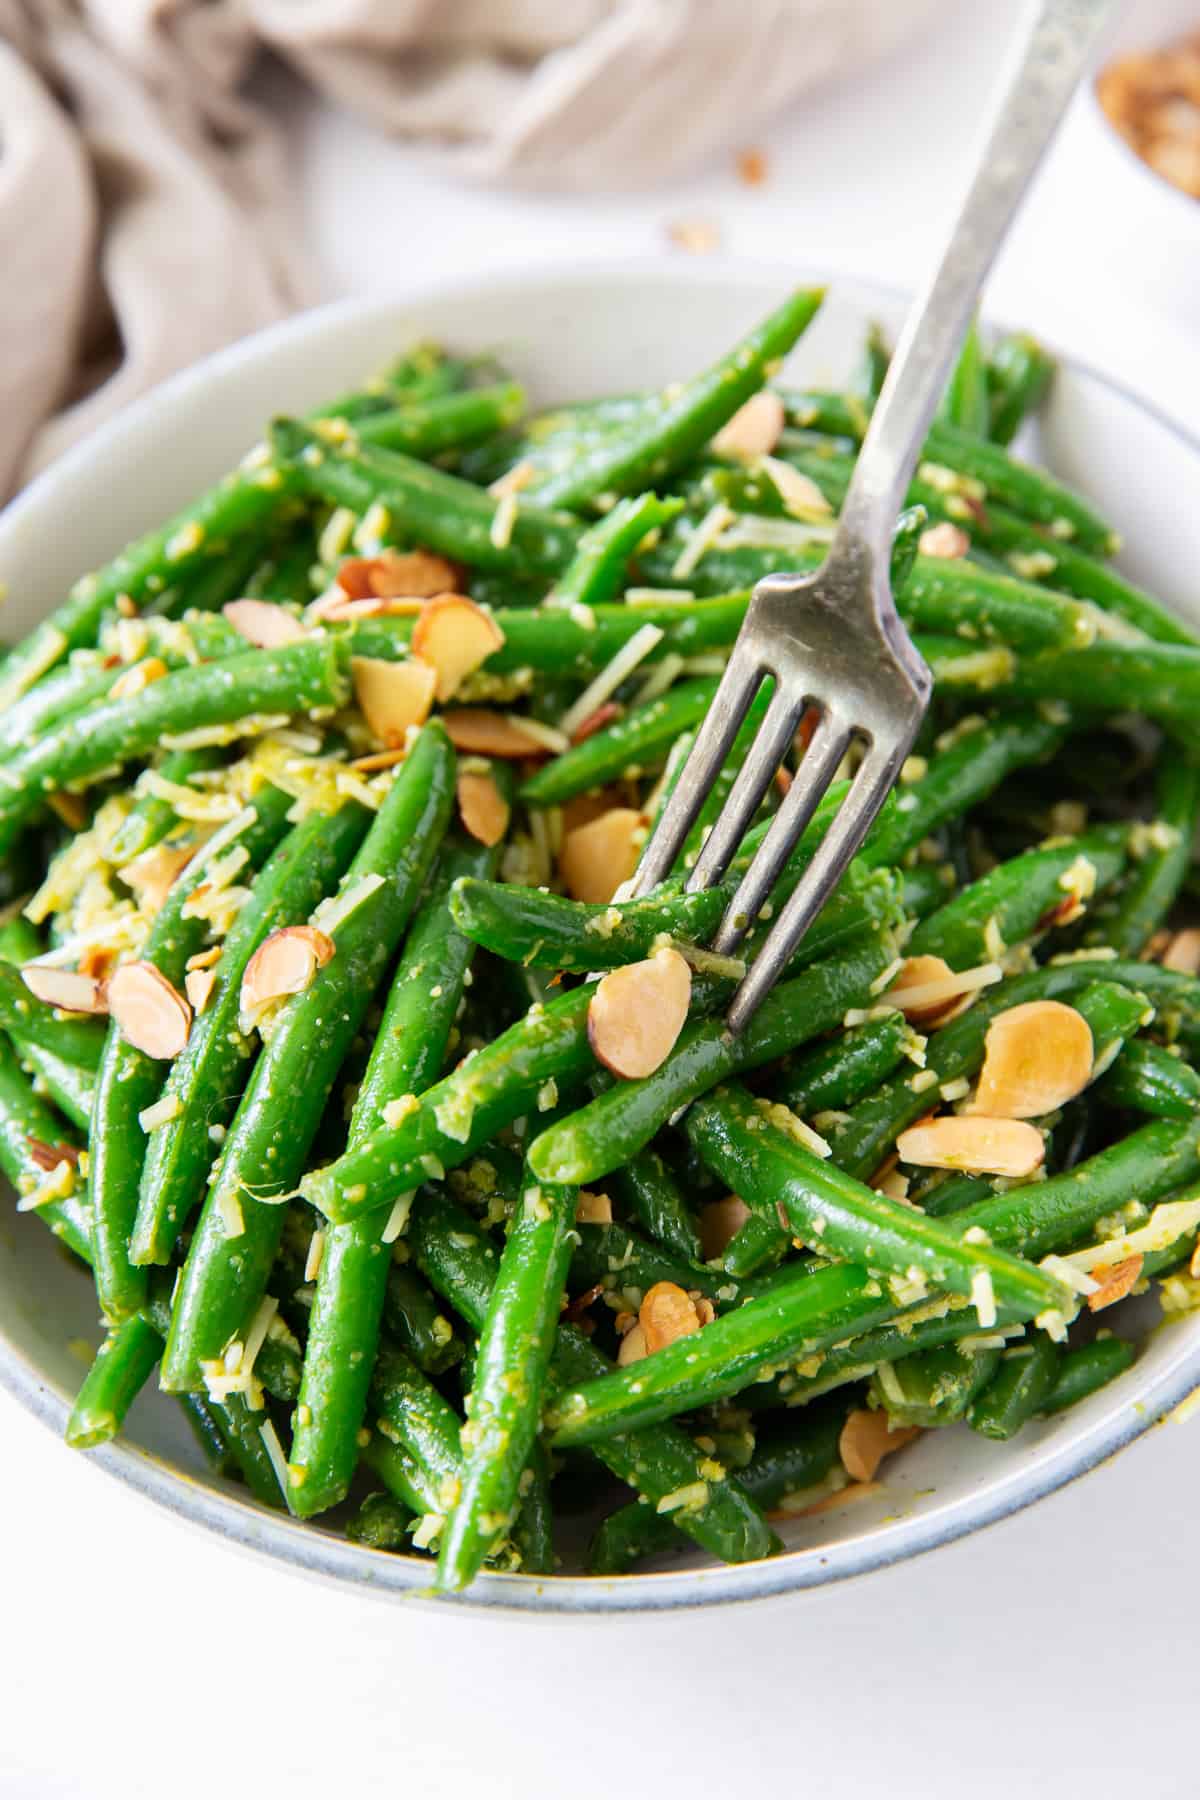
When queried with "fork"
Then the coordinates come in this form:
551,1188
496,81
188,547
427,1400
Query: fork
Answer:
833,641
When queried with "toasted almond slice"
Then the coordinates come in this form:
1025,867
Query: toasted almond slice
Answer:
263,623
637,1012
204,959
1183,952
483,809
284,963
596,858
380,759
48,1157
581,809
720,1222
930,993
393,695
754,428
1036,1057
1116,1280
153,874
413,574
198,985
667,1312
596,721
97,961
152,668
65,988
150,1014
593,1209
481,732
455,636
867,1437
633,1347
336,608
946,540
70,808
978,1145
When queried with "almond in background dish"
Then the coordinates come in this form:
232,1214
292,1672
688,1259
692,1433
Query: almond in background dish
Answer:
1153,99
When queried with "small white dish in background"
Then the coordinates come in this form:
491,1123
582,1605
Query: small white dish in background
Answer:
568,334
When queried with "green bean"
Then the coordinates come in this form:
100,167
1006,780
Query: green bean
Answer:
129,1080
286,575
906,542
653,1197
25,1122
426,427
683,419
954,1192
622,1121
1013,899
1004,479
936,1387
1018,1389
352,1280
662,1464
1019,373
873,363
1160,680
1148,1079
227,1269
802,1312
247,1447
206,1078
597,571
797,1455
847,1067
642,736
58,695
422,1463
71,1088
532,1535
381,1523
123,1364
1086,1369
436,509
1130,919
77,1040
207,1429
774,1174
290,680
546,931
616,1258
965,400
415,1323
511,1366
150,818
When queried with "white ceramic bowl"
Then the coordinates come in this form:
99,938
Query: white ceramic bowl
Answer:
568,334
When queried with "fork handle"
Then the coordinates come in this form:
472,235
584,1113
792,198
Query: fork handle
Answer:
1041,77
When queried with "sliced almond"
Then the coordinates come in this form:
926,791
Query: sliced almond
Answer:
972,1143
47,1157
945,540
667,1312
867,1437
454,636
412,574
754,429
581,809
720,1222
337,609
596,858
596,721
97,961
1116,1280
930,993
198,985
393,695
593,1209
152,668
153,874
263,623
380,759
1183,952
481,732
1036,1057
633,1347
65,988
70,808
284,963
483,809
150,1014
204,959
637,1012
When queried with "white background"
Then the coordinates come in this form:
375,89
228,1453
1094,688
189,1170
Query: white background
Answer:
1052,1655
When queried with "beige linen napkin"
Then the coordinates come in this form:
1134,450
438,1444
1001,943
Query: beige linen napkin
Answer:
144,200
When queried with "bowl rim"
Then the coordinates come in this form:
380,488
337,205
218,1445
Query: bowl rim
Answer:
291,1542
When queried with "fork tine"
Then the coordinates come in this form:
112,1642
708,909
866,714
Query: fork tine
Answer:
750,784
876,775
817,768
731,702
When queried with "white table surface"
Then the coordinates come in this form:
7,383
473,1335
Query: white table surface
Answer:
1054,1654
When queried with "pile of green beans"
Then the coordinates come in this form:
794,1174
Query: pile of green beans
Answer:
396,1238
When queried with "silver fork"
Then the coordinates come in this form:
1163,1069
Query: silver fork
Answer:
834,640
